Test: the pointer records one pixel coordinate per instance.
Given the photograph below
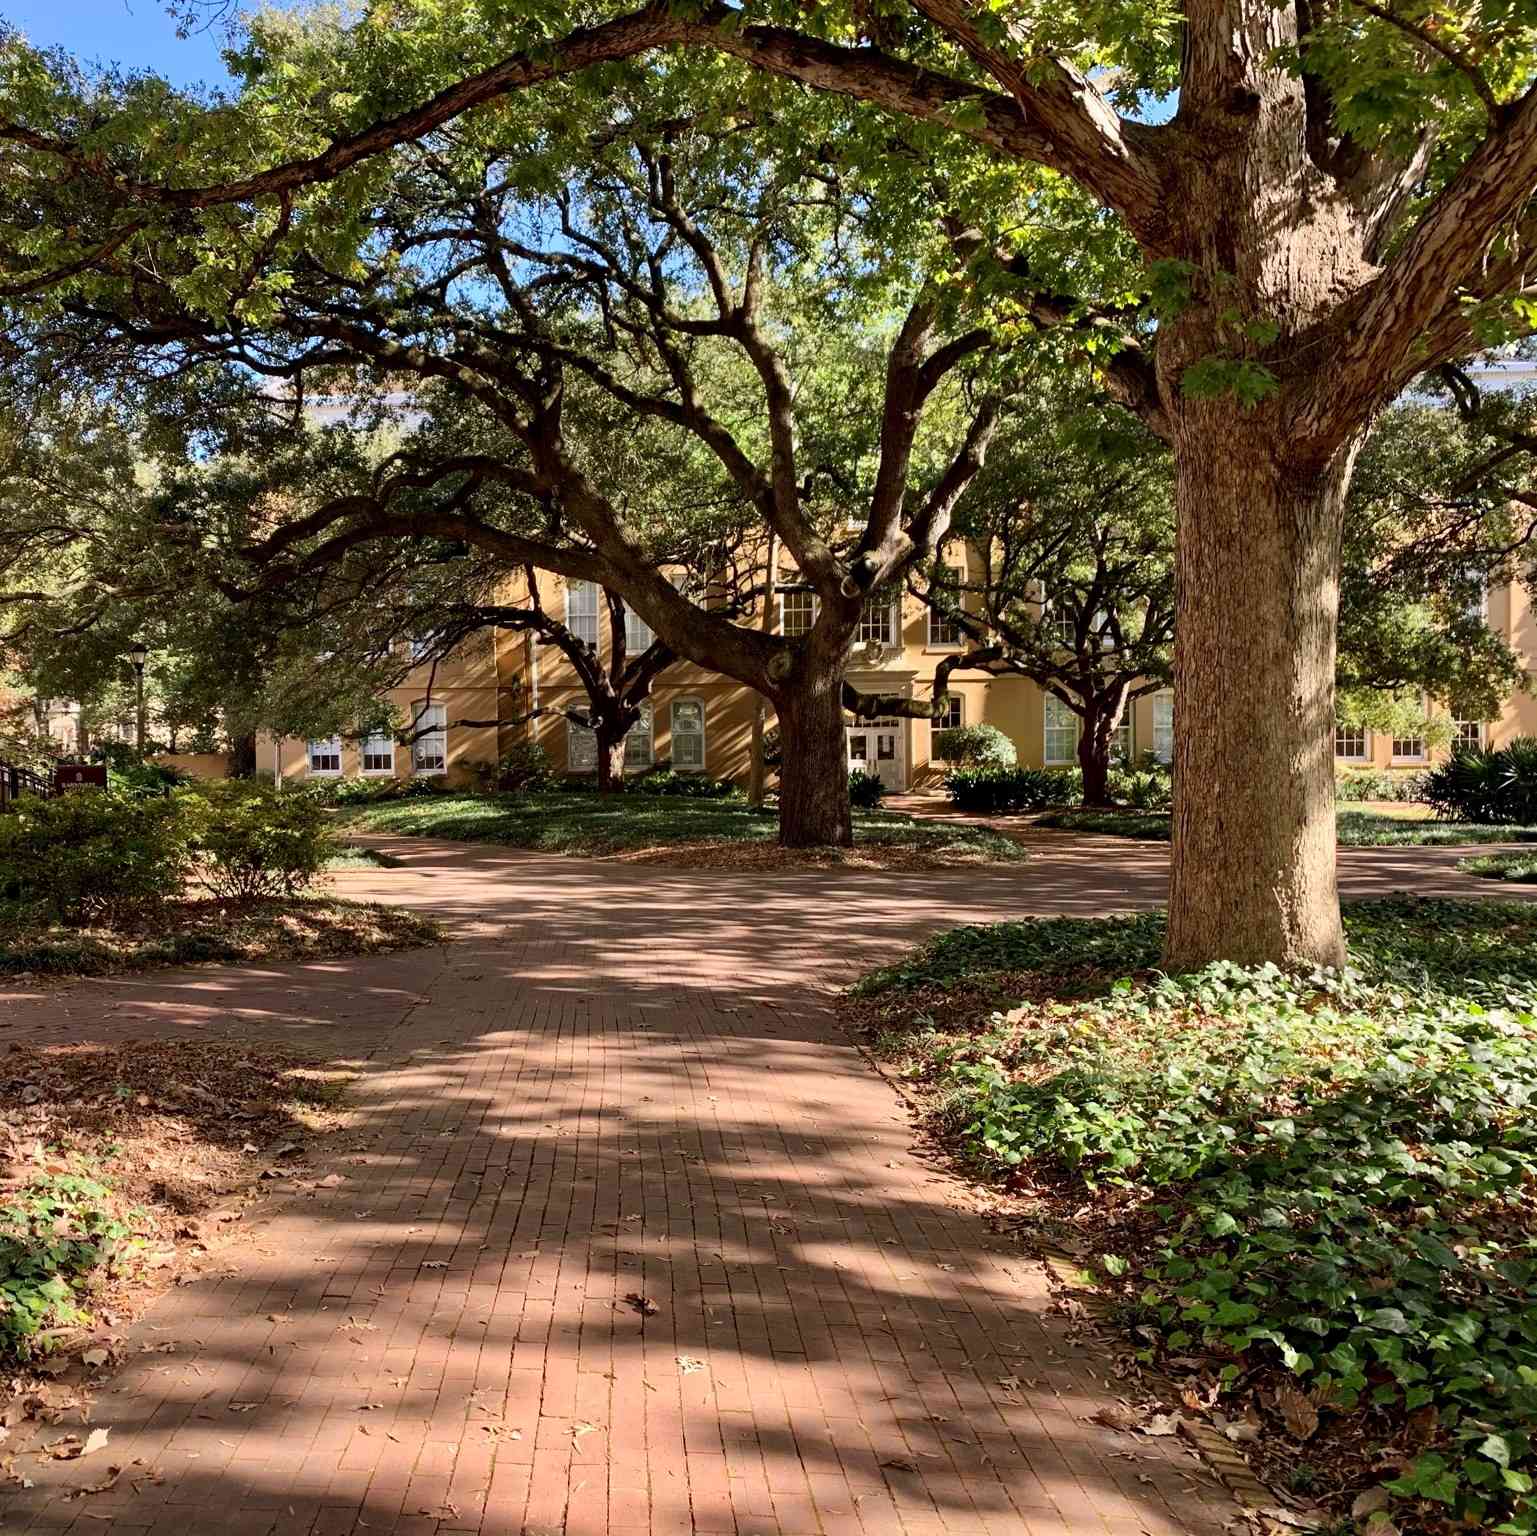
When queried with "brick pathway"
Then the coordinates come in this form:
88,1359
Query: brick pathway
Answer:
619,1080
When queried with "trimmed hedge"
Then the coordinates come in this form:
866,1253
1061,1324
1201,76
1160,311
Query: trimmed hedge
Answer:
975,746
991,790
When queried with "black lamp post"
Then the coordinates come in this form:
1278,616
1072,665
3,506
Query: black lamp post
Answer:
138,654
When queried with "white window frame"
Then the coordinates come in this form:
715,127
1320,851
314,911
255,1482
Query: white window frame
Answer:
1364,755
701,733
638,634
323,746
1163,729
945,634
369,747
1061,626
955,703
1416,756
1054,730
1124,739
581,748
880,623
798,593
1480,738
582,623
641,732
422,766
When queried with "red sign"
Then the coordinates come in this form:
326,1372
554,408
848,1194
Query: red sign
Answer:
67,776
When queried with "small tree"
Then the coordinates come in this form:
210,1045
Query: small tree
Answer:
1072,523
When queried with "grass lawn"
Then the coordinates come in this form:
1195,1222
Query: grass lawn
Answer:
1310,1200
1400,827
710,831
185,932
1519,867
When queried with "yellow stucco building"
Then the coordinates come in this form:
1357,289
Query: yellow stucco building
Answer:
699,721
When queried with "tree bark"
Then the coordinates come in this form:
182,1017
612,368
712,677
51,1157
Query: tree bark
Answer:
610,761
1253,873
243,756
1094,756
813,769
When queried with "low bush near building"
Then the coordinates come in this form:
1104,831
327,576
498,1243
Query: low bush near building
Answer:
248,840
682,786
1146,785
865,790
87,855
525,766
1496,788
1379,784
989,791
975,746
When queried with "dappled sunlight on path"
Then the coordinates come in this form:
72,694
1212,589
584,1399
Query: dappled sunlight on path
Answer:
618,1082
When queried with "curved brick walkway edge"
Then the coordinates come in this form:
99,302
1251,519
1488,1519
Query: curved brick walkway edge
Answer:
617,1080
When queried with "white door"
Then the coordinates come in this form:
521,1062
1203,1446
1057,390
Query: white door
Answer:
876,746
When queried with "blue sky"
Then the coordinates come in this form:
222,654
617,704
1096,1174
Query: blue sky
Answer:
137,34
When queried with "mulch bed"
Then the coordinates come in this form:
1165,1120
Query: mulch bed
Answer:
192,932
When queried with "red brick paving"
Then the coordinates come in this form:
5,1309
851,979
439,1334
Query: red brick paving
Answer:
619,1080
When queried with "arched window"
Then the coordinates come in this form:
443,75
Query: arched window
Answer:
688,735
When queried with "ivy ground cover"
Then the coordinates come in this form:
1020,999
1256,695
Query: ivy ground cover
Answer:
1313,1196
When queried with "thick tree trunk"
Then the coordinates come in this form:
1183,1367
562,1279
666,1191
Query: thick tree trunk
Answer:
1094,756
243,756
610,762
813,766
1253,875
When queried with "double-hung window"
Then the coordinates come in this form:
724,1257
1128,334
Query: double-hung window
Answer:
638,634
1061,731
1468,734
637,743
582,610
429,749
688,735
943,629
953,714
1352,743
878,623
325,757
1163,727
1408,749
581,748
379,753
798,609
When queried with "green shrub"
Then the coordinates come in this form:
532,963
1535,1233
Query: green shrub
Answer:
987,791
130,774
865,790
1328,1177
525,766
683,786
975,746
88,855
1497,788
1146,785
56,1235
251,841
1379,784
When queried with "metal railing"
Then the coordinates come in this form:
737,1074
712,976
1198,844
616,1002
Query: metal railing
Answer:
16,782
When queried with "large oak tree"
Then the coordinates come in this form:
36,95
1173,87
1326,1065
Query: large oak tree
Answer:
1339,201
